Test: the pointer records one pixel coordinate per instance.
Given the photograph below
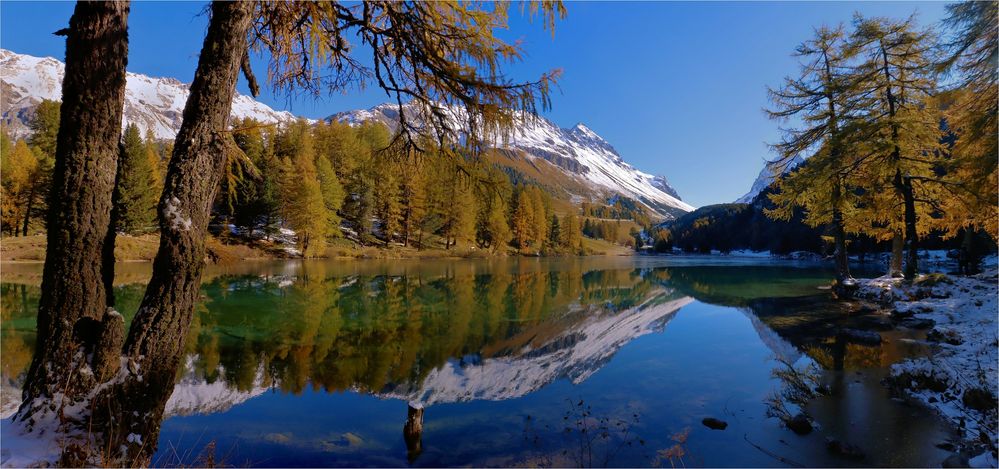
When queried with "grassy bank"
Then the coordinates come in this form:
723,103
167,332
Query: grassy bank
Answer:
221,251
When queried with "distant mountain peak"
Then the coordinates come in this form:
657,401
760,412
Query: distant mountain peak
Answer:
151,103
578,151
766,178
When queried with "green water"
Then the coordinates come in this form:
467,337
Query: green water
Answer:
319,363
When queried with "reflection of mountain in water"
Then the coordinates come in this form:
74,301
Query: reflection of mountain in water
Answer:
575,354
194,394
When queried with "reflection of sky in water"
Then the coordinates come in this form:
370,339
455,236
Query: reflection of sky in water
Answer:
376,342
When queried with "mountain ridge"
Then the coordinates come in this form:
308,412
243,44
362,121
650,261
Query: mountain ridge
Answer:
578,151
157,104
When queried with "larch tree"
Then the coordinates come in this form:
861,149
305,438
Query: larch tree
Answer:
152,350
435,54
820,100
413,194
332,192
18,187
522,219
75,348
973,60
901,124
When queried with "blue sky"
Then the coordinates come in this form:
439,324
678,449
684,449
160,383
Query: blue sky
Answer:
677,88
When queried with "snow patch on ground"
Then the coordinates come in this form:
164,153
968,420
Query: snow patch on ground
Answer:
964,356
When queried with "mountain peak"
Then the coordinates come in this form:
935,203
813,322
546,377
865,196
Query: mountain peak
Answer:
151,103
578,151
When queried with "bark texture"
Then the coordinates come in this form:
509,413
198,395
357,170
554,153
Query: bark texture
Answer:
73,302
156,338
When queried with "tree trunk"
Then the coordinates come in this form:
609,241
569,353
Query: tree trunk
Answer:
73,304
839,239
412,432
156,339
897,249
27,209
911,235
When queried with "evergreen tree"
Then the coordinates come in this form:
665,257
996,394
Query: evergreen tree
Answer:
136,196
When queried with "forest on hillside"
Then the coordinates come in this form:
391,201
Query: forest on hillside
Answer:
322,181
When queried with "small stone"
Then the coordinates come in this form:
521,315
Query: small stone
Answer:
714,423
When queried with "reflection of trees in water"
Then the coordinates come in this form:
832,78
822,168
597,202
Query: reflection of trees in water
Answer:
369,332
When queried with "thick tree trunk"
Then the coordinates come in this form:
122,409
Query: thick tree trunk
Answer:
73,304
897,250
156,339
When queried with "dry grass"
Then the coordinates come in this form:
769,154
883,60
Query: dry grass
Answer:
131,249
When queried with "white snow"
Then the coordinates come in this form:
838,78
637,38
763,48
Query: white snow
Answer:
175,216
965,308
592,159
765,178
150,103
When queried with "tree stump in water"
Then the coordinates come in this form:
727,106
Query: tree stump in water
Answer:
413,432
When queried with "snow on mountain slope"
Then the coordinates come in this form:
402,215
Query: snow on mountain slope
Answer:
575,354
765,178
578,151
150,103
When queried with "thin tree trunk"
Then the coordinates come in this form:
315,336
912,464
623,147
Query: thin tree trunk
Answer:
73,307
156,338
911,235
839,240
897,250
27,209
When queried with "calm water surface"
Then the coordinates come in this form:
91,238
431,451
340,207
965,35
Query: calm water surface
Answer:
579,362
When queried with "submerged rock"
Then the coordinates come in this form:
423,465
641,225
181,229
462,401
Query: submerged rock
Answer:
861,337
800,424
844,449
714,423
915,323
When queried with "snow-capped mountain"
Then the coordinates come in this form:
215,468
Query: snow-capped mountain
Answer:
158,103
765,178
150,103
578,151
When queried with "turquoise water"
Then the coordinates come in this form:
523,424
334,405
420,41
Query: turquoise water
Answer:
539,362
